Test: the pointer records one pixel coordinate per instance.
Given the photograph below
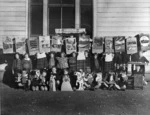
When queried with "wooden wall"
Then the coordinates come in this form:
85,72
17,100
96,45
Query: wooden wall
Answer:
13,18
121,17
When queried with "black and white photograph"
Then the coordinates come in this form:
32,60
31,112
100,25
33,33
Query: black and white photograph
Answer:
74,57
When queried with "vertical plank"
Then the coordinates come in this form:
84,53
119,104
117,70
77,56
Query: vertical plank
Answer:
94,18
77,13
45,19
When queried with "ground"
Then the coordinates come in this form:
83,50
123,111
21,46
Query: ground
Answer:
99,102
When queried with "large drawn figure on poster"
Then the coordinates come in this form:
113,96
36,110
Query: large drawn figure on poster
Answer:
131,45
8,44
71,45
109,44
56,44
44,43
119,44
20,43
97,46
84,43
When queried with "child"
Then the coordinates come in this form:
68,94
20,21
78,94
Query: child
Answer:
17,67
88,81
41,60
110,81
80,81
98,80
73,62
35,80
27,63
62,62
24,80
66,86
96,63
122,80
43,82
52,61
52,82
87,61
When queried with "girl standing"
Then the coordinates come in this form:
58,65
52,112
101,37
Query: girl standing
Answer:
73,62
27,63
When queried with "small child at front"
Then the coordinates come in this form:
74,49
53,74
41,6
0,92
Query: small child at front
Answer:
52,79
43,81
66,86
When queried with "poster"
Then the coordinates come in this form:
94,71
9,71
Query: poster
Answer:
44,44
33,45
119,44
56,44
97,46
71,45
109,44
144,42
84,43
131,45
20,43
8,44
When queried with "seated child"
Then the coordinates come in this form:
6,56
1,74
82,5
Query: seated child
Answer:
98,80
35,80
43,82
110,81
66,86
18,77
80,81
88,81
122,80
24,80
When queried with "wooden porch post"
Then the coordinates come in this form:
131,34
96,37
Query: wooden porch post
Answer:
45,17
77,13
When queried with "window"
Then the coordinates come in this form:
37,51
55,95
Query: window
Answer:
61,14
87,16
36,20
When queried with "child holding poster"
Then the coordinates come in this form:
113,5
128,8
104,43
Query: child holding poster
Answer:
27,63
73,62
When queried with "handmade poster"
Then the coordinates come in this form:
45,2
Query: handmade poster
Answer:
8,44
20,43
57,43
109,44
144,42
33,45
44,43
119,44
84,43
131,45
97,46
71,45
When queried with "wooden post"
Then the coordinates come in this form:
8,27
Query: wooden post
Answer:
94,18
45,17
77,13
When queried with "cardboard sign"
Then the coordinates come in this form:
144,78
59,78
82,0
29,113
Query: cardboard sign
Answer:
20,44
97,46
84,43
8,44
33,45
71,45
70,30
109,44
119,44
131,45
44,43
56,43
144,42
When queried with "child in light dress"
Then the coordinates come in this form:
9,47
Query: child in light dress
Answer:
66,86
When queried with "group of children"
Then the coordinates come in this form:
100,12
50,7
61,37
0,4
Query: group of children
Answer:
74,73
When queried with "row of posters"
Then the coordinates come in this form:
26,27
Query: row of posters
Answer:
47,44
